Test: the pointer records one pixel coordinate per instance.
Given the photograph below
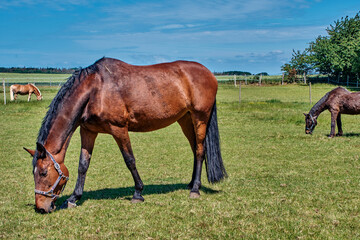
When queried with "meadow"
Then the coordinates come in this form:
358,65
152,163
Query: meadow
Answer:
282,184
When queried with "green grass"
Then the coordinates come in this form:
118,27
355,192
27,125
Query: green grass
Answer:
282,183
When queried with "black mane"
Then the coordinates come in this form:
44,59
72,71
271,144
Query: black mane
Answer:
319,104
66,90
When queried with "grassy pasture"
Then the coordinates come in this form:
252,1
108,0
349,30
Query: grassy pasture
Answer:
282,183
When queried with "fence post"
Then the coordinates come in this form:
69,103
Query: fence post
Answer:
260,79
240,91
310,92
304,78
4,92
282,79
245,79
234,80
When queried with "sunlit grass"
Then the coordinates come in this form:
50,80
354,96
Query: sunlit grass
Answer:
282,183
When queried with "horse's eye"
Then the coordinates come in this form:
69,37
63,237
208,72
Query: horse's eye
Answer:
43,173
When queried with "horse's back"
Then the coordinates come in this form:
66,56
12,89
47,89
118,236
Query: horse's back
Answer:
339,91
185,81
344,101
151,97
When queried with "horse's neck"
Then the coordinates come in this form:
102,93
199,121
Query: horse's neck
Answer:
36,90
54,149
64,122
319,107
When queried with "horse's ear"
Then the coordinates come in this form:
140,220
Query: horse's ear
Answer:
41,150
305,114
32,152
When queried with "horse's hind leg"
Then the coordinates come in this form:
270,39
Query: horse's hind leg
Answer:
121,137
87,146
338,121
11,94
189,131
199,126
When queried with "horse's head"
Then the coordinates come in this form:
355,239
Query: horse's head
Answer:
50,178
310,123
39,97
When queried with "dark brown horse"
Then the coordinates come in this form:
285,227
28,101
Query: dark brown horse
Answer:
114,97
338,101
27,89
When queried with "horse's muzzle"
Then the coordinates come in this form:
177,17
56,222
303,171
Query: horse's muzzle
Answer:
50,209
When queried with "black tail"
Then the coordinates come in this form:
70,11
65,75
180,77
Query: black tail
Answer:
213,160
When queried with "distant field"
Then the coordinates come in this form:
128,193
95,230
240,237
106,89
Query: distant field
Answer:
46,79
33,78
282,183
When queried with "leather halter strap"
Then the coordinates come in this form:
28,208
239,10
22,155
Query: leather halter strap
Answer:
51,193
311,128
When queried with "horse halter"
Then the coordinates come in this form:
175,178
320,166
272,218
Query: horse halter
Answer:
51,193
311,128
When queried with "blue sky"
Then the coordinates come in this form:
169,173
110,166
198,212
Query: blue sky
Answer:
255,36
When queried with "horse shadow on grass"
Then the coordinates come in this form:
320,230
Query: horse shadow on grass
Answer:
127,192
347,135
351,135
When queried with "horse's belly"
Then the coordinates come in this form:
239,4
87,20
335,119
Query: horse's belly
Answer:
145,122
143,118
22,93
351,109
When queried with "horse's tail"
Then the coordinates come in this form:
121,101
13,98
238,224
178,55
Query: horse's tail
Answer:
12,93
213,160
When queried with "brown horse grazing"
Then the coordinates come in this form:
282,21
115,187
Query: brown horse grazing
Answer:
27,89
114,97
338,101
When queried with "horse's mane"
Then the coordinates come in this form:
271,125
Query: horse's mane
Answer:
36,89
56,104
319,103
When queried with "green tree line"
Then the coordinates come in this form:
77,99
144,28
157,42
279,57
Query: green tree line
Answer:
36,70
336,55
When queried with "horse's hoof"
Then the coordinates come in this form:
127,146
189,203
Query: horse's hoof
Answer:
68,204
137,200
71,205
194,194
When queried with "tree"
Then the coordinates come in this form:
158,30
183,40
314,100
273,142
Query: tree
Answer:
290,72
335,54
301,61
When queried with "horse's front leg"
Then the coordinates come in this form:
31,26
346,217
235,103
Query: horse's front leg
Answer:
121,137
29,97
87,146
334,115
338,121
